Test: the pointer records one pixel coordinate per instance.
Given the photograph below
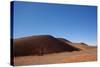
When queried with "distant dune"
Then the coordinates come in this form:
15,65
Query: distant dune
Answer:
81,46
46,49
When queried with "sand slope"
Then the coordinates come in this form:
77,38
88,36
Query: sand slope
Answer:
64,57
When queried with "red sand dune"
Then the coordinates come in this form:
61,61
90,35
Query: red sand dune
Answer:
39,45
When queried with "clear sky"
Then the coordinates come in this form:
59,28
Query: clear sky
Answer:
76,23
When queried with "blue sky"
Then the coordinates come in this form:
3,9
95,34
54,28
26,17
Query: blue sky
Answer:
76,23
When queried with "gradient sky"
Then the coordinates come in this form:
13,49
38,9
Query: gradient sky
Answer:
76,23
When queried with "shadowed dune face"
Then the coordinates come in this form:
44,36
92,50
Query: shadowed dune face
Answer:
40,45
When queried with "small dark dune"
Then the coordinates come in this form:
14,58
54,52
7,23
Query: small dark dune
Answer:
40,45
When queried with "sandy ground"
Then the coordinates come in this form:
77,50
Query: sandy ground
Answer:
64,57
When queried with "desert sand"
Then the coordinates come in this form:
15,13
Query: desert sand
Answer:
63,57
83,54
